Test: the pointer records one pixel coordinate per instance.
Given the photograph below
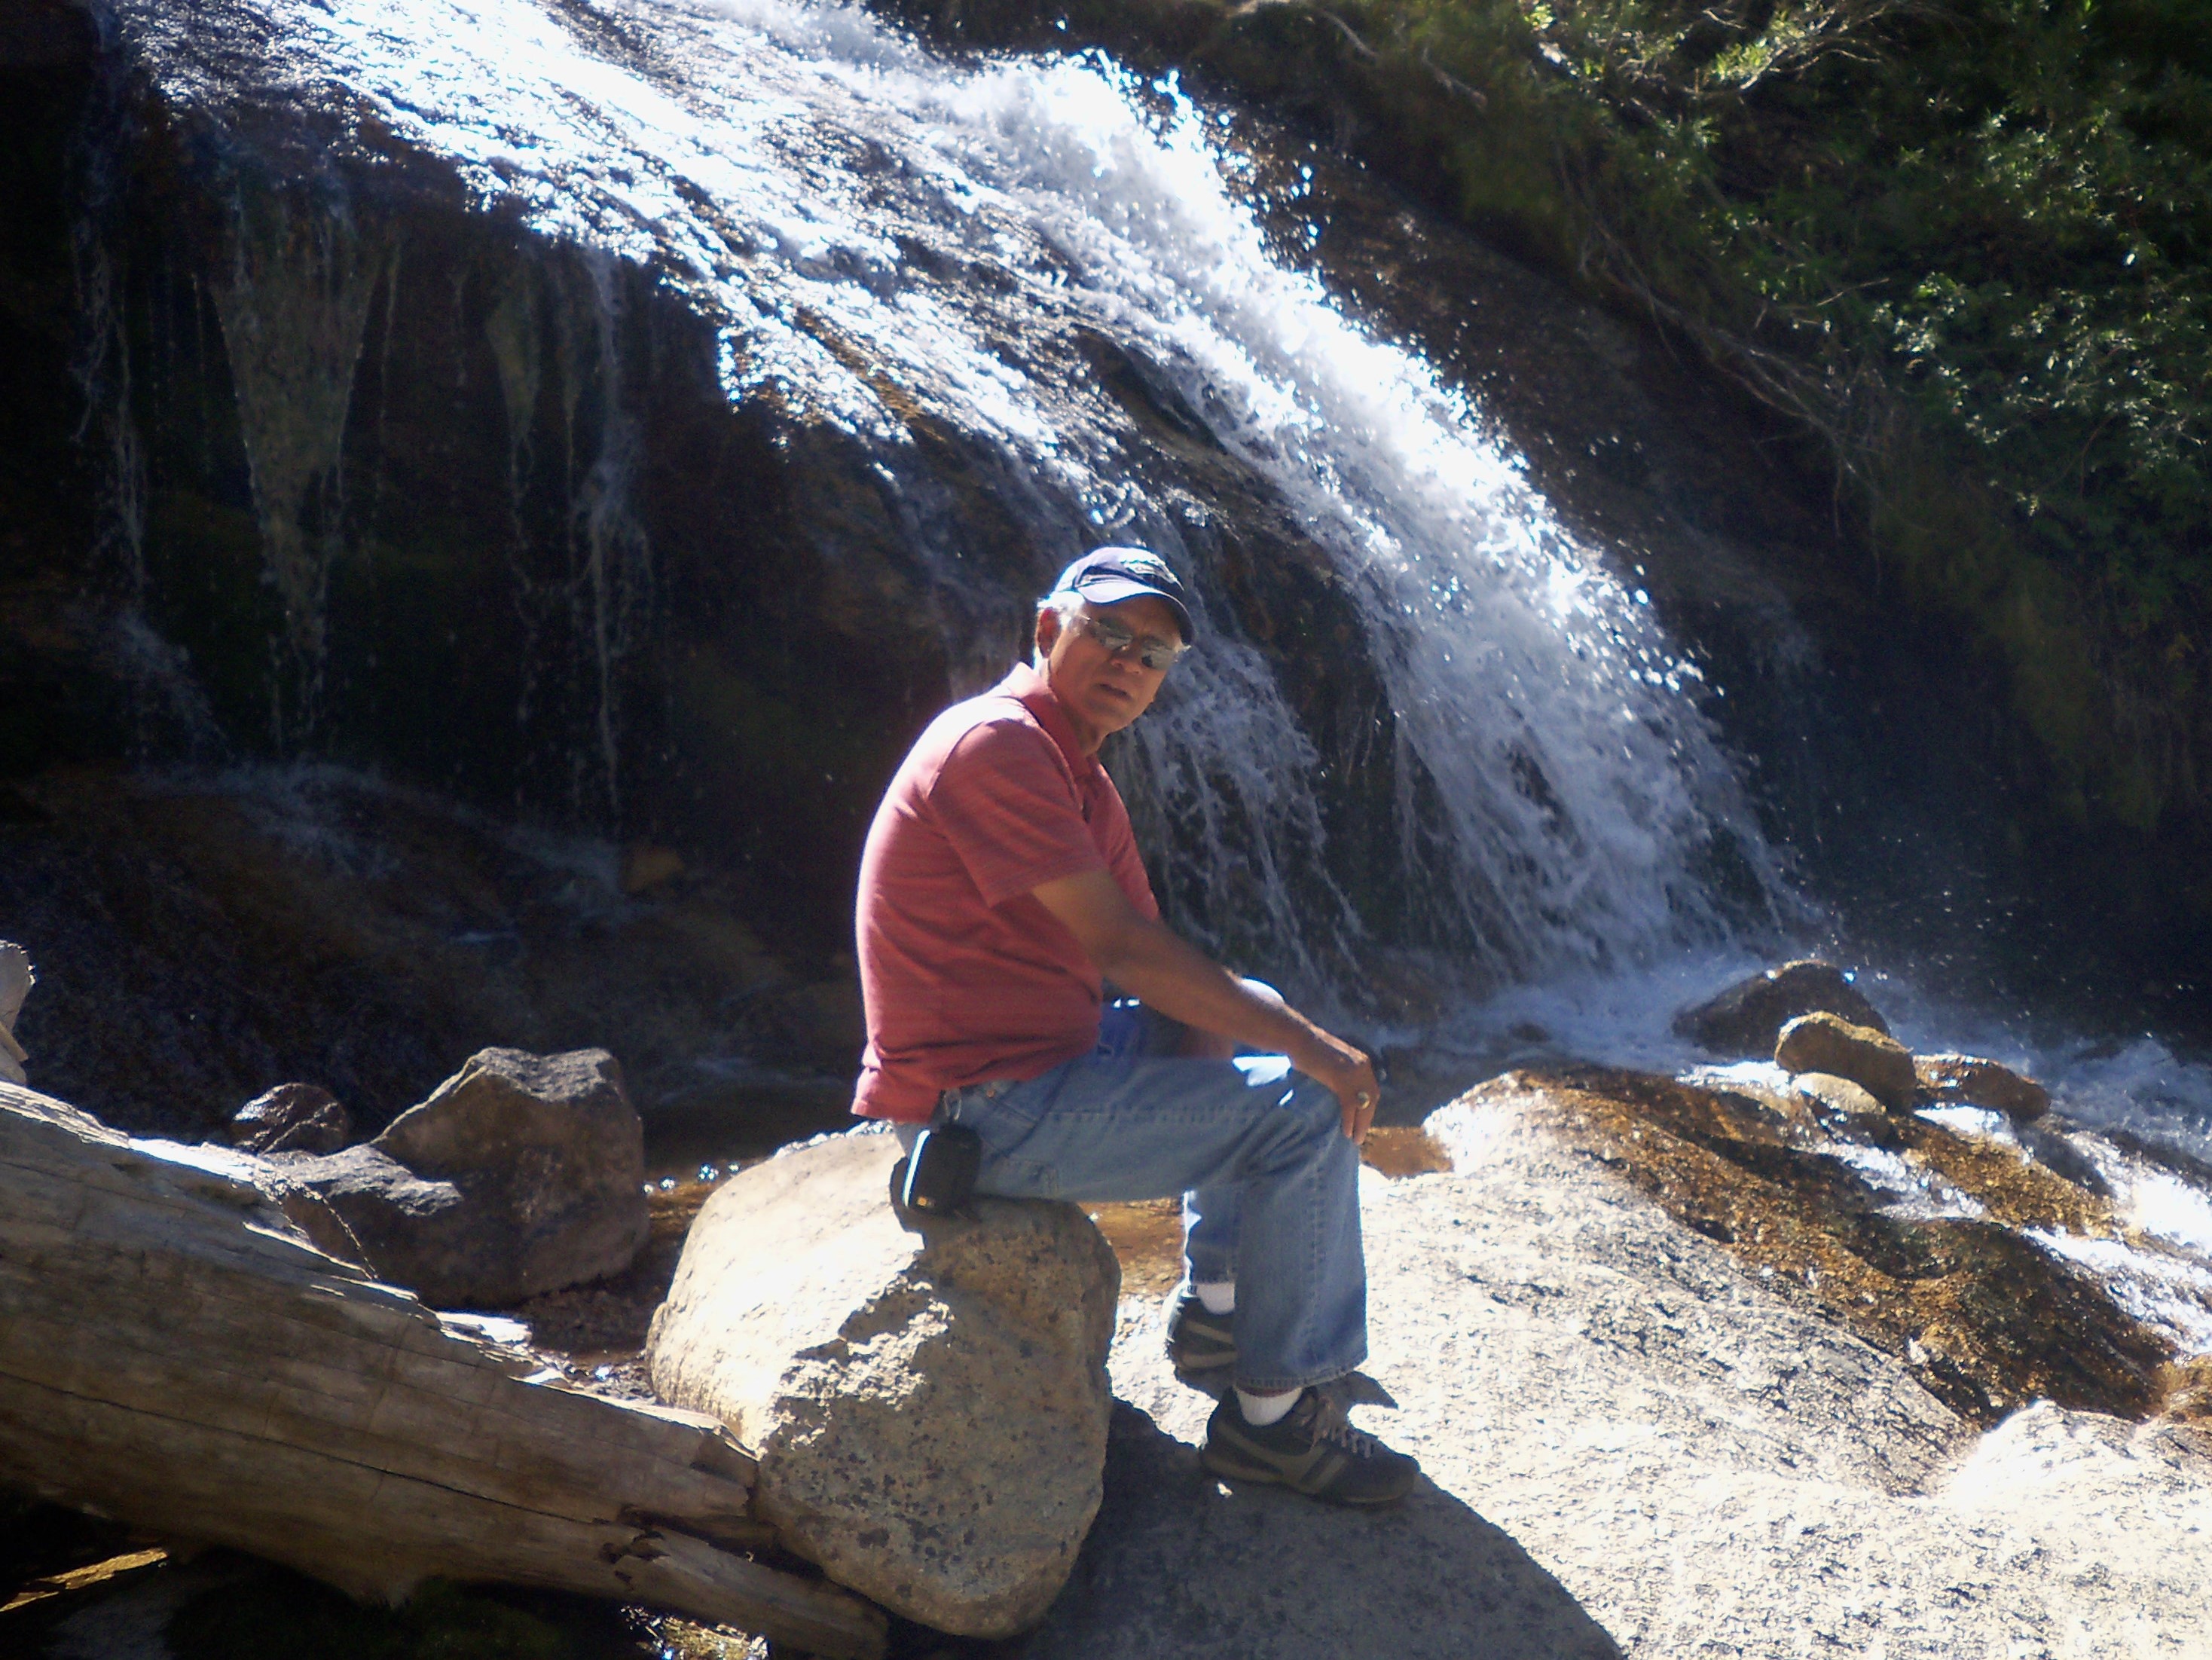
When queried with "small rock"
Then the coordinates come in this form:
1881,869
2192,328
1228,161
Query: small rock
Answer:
1840,1094
928,1400
1747,1018
1875,1061
291,1118
1968,1080
15,982
521,1174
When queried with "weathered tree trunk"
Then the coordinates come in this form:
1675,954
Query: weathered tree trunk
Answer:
174,1352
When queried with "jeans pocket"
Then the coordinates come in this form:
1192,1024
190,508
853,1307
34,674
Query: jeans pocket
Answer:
1003,1126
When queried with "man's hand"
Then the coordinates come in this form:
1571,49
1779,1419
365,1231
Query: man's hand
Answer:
1182,982
1350,1073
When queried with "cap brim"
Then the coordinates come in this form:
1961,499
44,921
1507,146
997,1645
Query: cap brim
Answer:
1104,588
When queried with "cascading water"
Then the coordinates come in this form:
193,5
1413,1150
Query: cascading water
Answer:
889,245
864,219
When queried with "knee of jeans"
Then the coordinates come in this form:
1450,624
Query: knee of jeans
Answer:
1307,1122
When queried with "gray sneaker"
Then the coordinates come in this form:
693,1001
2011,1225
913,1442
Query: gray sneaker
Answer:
1198,1343
1313,1450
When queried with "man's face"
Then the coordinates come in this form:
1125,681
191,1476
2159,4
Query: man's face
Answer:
1102,692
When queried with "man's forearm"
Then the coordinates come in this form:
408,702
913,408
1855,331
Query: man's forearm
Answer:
1183,983
1165,973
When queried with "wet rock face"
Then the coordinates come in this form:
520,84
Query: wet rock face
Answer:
1968,1080
484,515
929,1407
1984,1318
414,487
1746,1019
338,928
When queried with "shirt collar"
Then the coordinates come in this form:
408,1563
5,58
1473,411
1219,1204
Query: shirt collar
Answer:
1035,693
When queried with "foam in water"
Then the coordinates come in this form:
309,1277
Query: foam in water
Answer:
2167,1292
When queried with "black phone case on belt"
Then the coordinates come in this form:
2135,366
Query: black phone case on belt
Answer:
940,1172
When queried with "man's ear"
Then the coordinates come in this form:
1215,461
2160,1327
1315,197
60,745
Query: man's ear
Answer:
1047,631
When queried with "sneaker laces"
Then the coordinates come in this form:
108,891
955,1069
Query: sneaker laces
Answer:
1329,1423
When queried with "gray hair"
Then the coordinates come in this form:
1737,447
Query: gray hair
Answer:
1063,603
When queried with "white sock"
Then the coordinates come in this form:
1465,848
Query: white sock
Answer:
1219,1297
1261,1410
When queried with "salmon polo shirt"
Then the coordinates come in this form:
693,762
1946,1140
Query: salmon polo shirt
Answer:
966,977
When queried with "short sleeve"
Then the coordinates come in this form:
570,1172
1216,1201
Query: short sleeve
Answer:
1004,801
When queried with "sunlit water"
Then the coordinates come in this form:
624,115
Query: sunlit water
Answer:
878,230
869,225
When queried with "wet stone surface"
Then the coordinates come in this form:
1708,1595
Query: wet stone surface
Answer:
1942,1276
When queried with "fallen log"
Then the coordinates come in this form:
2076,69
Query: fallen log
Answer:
174,1352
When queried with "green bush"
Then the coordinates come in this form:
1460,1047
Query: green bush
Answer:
1968,245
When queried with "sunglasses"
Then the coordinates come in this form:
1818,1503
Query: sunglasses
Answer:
1154,654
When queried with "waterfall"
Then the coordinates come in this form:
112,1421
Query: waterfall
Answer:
885,238
294,310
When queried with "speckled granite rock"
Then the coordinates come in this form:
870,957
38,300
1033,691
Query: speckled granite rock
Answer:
929,1406
1633,1446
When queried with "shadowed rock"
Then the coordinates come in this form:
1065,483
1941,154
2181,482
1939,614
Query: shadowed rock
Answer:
1967,1080
1181,1565
15,978
1875,1061
928,1402
292,1118
522,1174
1747,1018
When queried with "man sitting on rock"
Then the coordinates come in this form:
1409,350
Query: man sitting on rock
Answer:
1000,887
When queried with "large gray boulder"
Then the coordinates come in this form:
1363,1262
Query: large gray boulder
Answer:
1747,1018
521,1174
927,1399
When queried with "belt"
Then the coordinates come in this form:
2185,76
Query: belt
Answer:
989,1086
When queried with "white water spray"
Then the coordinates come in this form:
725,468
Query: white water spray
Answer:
871,225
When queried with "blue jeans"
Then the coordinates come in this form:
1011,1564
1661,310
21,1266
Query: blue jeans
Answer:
1270,1185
